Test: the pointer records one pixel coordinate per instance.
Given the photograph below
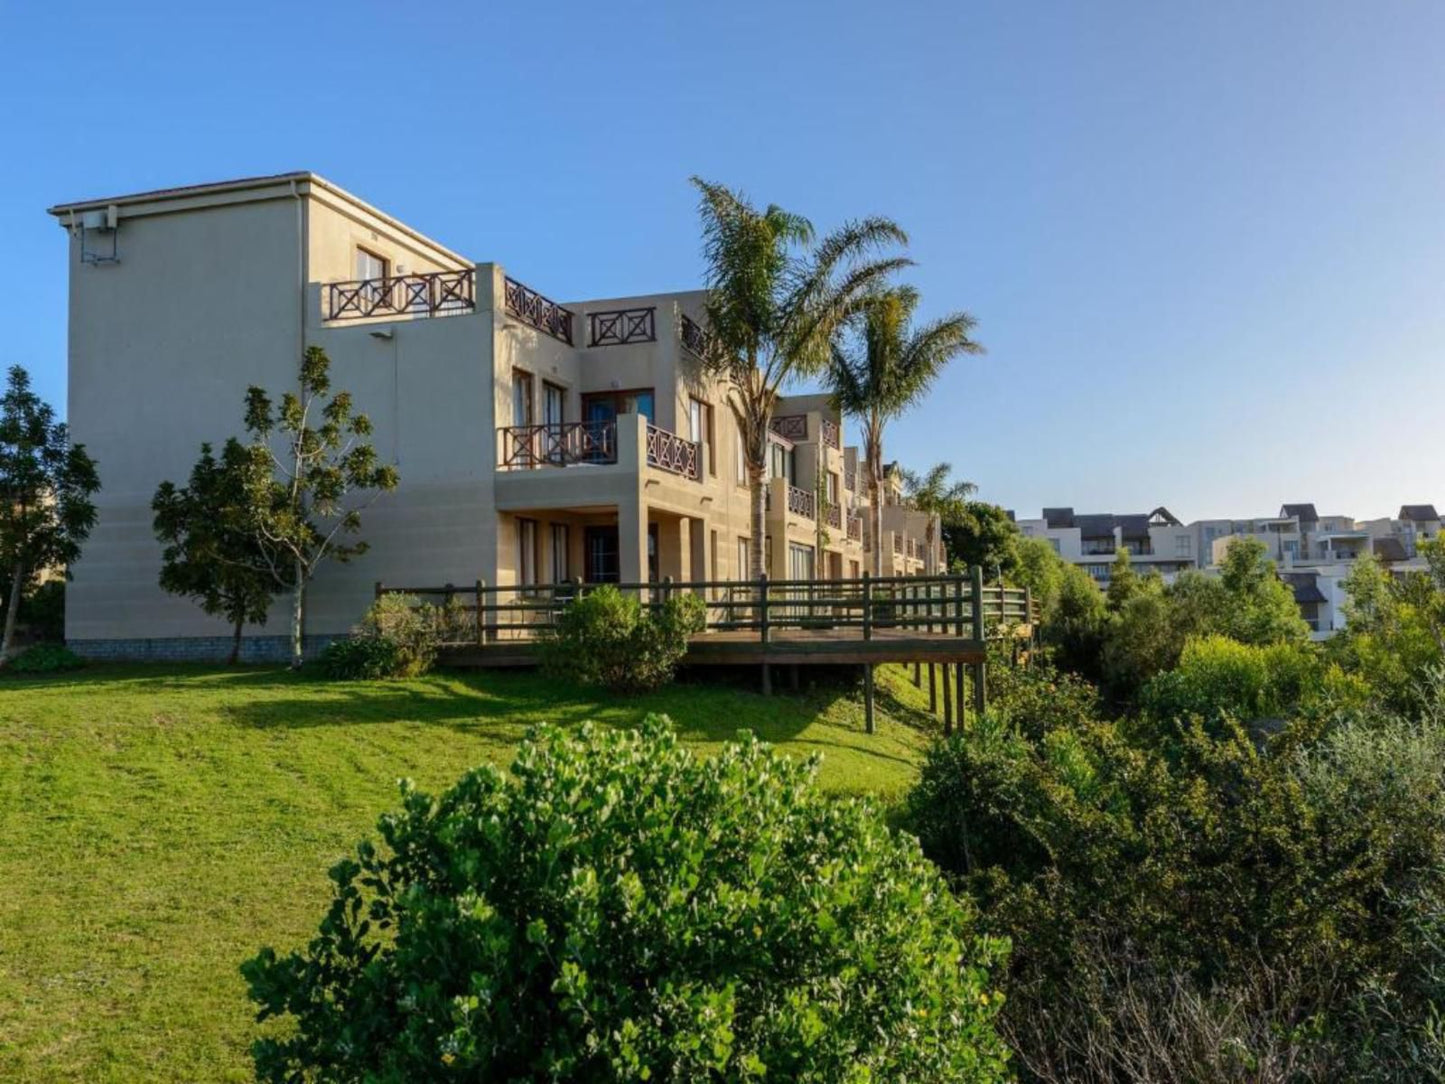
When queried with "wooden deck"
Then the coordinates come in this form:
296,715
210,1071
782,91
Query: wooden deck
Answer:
784,647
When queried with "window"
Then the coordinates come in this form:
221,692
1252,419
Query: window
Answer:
711,572
1183,546
521,397
800,562
782,462
561,556
742,461
832,489
606,406
369,265
768,554
526,552
743,572
699,416
554,402
373,269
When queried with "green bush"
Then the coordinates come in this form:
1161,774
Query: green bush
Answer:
359,658
44,659
414,629
616,908
607,638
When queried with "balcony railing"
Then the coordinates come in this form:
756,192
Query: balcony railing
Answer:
693,337
670,452
850,481
542,313
835,516
618,327
802,503
855,528
440,293
560,444
792,426
832,437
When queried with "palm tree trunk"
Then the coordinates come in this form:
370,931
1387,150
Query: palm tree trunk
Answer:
875,514
12,609
757,494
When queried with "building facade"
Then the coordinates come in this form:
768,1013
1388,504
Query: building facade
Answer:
1312,553
537,442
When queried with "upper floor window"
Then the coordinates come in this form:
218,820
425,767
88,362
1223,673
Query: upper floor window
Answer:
521,397
606,406
832,488
369,265
782,462
1183,546
699,416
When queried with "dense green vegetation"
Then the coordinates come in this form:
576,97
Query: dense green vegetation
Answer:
161,824
617,908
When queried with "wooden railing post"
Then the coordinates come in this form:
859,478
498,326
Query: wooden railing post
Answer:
977,575
979,668
867,606
481,589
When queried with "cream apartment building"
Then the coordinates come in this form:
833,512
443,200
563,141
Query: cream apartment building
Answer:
537,442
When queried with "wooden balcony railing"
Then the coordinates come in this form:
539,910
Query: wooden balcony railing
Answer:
560,444
693,337
835,516
802,503
792,426
948,605
440,293
670,452
618,327
542,313
832,436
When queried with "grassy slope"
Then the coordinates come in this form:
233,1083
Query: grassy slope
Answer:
158,825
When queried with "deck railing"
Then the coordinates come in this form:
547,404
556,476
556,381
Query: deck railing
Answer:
961,606
670,452
542,313
439,293
802,503
832,436
693,337
559,444
791,426
835,517
855,528
619,327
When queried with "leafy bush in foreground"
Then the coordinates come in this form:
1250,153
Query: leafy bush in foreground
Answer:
359,658
607,638
616,908
398,637
45,659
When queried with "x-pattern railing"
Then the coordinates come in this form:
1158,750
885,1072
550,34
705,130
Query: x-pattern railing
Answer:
558,444
791,426
619,327
438,293
802,503
542,313
693,337
831,435
670,452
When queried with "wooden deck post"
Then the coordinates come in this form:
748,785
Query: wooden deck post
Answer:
947,703
481,588
763,632
867,606
979,668
932,689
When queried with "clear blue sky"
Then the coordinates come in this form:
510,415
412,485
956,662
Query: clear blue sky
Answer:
1205,242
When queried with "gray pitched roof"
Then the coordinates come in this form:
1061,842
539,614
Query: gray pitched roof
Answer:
1418,513
1305,513
1058,518
1133,526
1101,526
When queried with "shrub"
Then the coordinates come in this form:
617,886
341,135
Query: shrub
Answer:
359,658
45,659
607,638
414,630
615,908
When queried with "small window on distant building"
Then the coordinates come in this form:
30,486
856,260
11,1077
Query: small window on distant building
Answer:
1183,546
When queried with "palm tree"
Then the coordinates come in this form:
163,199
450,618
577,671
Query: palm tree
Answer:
886,370
939,497
776,303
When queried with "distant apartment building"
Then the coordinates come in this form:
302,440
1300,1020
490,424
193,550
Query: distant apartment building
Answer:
1313,554
537,441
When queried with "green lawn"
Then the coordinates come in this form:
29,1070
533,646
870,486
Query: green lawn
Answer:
157,825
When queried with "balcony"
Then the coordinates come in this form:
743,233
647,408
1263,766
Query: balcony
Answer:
540,312
792,427
621,327
832,435
440,293
561,444
835,516
670,452
802,503
855,528
694,338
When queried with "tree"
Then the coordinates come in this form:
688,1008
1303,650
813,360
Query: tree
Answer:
938,497
1123,581
887,370
984,535
46,486
1262,607
314,487
776,301
213,552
